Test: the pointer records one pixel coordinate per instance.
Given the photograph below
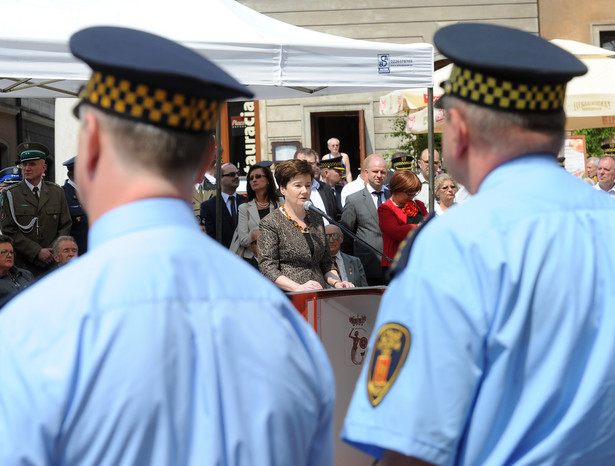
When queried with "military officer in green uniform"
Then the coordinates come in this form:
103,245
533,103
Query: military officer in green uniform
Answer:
34,212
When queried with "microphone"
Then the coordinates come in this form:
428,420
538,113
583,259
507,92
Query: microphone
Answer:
308,205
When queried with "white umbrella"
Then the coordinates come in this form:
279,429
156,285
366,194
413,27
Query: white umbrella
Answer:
590,99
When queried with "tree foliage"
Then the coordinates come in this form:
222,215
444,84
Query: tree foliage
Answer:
594,138
412,144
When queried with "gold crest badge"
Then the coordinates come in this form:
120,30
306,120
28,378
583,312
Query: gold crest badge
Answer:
389,353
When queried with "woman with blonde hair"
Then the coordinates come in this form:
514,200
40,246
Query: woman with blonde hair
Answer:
445,189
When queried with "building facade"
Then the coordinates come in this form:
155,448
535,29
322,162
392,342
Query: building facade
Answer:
273,129
355,119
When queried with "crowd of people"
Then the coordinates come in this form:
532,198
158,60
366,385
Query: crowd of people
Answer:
493,342
378,210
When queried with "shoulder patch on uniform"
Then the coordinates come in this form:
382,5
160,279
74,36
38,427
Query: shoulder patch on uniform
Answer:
388,355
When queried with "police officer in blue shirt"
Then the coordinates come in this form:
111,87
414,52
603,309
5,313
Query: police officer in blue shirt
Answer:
494,342
143,352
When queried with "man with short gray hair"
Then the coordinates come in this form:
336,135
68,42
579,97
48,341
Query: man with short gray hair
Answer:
64,248
592,170
158,346
606,175
493,343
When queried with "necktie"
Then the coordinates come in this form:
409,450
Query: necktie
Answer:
337,269
35,191
233,209
380,195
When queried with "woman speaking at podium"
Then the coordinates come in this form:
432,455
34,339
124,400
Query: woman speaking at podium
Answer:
292,248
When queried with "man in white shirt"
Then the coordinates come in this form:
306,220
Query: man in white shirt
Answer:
356,185
606,175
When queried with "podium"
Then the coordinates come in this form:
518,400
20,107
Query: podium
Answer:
344,320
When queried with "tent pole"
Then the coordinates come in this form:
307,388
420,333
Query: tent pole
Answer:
430,144
219,203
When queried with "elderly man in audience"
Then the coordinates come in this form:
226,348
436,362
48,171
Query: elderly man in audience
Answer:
64,249
348,267
606,175
591,175
12,278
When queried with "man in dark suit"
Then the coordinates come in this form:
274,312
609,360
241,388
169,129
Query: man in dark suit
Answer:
79,230
322,194
360,215
349,268
228,187
331,172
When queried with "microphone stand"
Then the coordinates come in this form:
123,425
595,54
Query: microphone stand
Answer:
312,208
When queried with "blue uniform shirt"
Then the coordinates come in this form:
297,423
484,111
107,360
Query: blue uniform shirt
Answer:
159,347
509,306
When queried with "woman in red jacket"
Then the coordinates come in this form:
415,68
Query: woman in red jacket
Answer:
400,214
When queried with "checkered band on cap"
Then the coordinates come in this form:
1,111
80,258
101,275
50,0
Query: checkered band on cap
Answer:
151,105
609,148
330,164
490,91
403,163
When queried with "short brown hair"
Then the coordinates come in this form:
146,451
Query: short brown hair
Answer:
404,181
287,170
307,151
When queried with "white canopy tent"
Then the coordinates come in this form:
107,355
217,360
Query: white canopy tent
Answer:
274,59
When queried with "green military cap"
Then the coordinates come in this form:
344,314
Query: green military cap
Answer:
31,151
